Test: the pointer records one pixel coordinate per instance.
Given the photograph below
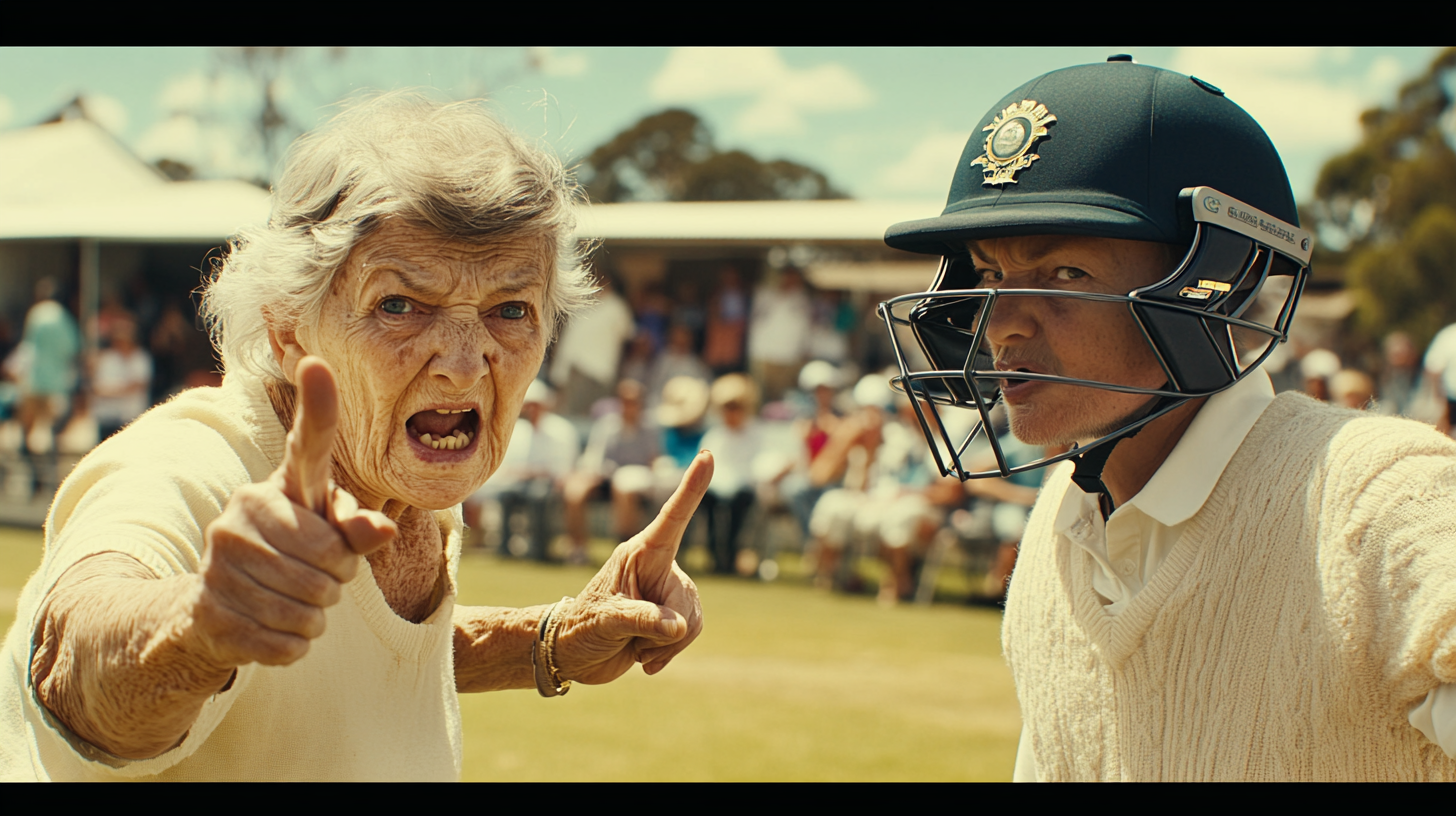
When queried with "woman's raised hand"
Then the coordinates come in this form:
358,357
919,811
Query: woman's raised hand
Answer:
282,548
640,607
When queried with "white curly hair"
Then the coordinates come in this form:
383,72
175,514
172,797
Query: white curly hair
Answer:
448,167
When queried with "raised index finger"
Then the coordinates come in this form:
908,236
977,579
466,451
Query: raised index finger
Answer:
308,459
666,531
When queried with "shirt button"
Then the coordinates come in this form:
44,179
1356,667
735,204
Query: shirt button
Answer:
1127,568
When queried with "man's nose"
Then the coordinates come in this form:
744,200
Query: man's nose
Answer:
1012,320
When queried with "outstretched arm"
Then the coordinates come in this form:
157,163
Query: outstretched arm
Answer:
126,660
639,608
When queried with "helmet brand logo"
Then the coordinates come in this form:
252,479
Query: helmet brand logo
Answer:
1211,204
1008,148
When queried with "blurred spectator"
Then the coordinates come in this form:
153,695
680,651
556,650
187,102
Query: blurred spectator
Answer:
1013,497
637,364
735,444
122,381
820,380
650,308
587,355
1440,368
727,324
778,333
676,360
834,319
620,452
849,459
688,310
46,363
680,414
1352,389
1317,367
1400,380
541,454
169,341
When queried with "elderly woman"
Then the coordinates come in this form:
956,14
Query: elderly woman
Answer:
257,581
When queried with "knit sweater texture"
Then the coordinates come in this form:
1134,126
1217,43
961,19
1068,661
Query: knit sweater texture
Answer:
374,698
1306,608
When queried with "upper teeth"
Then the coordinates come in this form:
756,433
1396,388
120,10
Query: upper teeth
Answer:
451,411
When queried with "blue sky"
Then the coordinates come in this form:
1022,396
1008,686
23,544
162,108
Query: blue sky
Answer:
881,122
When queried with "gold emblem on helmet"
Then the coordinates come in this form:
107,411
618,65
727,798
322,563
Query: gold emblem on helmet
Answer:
1013,132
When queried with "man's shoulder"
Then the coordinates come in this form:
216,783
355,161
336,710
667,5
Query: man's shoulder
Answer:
1296,427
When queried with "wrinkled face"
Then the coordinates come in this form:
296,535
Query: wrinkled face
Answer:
434,342
1067,336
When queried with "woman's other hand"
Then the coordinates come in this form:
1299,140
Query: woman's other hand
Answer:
640,607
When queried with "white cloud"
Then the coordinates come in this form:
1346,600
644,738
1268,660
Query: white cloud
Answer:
552,62
106,111
1284,89
212,150
927,167
781,94
195,92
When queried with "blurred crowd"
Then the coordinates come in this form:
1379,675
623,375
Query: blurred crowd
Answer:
57,401
814,452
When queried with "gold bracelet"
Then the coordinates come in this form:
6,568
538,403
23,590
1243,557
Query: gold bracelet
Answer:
543,656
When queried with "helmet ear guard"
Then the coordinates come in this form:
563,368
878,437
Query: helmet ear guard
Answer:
1199,321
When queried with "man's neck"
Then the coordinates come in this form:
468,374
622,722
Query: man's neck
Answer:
1137,458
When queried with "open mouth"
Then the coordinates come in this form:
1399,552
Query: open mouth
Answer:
444,428
1012,382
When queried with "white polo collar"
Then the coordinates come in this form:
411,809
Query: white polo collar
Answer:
1187,477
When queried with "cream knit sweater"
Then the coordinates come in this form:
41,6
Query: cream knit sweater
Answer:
374,698
1303,612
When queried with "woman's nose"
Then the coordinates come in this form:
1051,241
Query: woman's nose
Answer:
462,350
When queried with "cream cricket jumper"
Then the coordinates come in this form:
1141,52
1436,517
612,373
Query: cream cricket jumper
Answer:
1289,630
374,698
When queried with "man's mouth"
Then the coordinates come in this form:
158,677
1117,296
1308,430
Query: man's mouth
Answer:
444,428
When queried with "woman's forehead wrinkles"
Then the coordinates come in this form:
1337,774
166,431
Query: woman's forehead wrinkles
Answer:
422,282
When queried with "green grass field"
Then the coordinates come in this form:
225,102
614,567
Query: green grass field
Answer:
785,683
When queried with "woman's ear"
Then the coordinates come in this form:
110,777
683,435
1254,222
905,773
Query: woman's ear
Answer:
286,349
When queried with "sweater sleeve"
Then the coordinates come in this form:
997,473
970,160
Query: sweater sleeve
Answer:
1392,581
148,493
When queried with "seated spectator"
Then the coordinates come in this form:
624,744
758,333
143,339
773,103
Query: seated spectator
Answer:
542,452
819,380
1013,496
1352,389
1317,367
620,452
848,459
123,380
735,443
676,360
1400,378
680,415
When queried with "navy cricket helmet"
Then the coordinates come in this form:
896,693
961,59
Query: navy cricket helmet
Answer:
1112,150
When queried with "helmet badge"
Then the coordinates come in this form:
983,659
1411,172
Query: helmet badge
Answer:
1013,132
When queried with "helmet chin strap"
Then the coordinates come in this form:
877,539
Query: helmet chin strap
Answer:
1087,473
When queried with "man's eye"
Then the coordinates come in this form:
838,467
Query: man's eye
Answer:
1069,273
990,275
396,306
513,311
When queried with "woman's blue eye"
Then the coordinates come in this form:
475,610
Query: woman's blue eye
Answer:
396,306
513,311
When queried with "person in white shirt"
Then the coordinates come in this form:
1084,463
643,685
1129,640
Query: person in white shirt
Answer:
1215,583
122,380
